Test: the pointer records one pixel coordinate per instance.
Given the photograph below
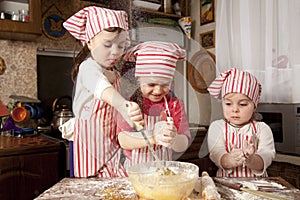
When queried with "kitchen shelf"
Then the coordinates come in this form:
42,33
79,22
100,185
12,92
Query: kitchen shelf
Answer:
158,13
18,30
134,13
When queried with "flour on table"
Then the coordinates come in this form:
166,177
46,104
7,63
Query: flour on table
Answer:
262,183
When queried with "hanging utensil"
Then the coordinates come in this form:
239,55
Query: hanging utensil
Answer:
240,187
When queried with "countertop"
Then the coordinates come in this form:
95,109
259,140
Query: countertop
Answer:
29,165
90,188
293,159
120,188
10,145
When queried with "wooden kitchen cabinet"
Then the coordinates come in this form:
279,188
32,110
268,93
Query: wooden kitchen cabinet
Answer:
18,30
29,166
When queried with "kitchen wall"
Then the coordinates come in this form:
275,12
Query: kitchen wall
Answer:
20,77
209,108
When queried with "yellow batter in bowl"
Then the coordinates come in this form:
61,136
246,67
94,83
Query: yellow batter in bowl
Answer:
149,182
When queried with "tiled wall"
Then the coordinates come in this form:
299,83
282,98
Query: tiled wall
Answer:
20,77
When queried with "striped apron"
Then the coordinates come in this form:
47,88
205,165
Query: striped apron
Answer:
235,137
142,155
95,148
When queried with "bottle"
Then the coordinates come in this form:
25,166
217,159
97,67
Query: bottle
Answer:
2,16
23,15
168,6
15,16
176,8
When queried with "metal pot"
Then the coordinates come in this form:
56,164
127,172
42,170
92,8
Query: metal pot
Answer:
61,112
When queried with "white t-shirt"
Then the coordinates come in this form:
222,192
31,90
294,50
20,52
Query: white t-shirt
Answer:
90,84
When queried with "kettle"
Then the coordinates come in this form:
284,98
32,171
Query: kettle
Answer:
61,112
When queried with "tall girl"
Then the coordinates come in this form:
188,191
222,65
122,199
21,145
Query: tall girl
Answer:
103,32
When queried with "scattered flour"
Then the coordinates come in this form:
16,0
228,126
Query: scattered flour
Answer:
261,183
239,195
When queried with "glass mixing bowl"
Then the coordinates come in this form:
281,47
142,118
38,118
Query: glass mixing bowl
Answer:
163,180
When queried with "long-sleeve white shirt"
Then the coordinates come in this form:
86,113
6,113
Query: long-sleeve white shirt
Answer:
221,135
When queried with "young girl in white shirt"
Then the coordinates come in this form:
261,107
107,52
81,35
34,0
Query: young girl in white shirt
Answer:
103,32
239,145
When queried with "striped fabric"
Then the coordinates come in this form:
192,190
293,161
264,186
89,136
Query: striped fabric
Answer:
236,81
155,58
236,137
89,21
142,155
95,147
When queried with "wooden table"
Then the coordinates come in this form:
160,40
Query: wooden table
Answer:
276,186
120,188
90,189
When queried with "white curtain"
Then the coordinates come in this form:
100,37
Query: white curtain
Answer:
262,37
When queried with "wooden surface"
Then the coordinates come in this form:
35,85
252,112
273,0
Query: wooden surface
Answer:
120,188
287,171
91,188
31,144
273,185
29,166
27,31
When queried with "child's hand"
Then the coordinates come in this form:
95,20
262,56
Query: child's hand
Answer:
135,113
165,133
248,149
235,157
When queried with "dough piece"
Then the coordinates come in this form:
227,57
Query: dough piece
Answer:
209,189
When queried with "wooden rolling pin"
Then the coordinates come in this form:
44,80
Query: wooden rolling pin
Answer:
238,186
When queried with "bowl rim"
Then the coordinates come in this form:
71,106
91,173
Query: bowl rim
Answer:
153,163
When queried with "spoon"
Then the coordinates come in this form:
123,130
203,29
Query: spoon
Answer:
150,147
140,129
163,170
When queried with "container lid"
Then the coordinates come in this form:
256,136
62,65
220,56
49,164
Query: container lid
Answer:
64,113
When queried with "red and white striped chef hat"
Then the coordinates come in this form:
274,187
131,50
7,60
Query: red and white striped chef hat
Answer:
236,81
155,58
89,21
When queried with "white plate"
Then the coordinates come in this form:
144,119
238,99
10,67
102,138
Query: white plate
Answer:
145,4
